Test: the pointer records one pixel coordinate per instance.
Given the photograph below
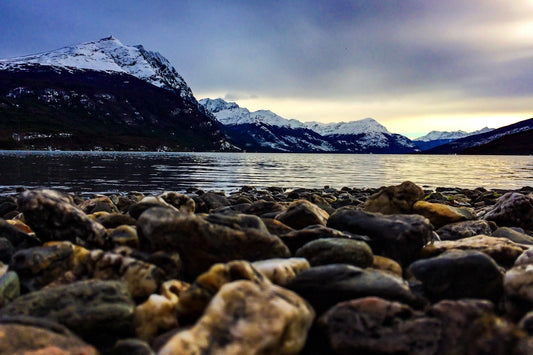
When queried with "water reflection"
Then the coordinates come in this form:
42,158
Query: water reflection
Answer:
154,172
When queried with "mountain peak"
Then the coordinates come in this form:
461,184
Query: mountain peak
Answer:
109,55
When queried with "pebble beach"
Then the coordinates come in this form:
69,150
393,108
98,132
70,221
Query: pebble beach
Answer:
393,270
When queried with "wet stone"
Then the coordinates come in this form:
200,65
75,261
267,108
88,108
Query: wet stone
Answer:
336,251
247,318
92,309
53,217
298,238
513,209
399,237
281,271
302,213
202,244
459,274
513,235
325,286
502,250
395,199
441,214
376,326
460,230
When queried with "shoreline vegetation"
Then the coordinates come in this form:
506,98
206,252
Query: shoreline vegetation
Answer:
396,269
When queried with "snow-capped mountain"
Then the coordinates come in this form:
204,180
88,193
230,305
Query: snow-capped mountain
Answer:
111,56
264,130
436,138
435,135
101,95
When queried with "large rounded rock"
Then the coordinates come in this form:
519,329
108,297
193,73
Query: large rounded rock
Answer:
53,217
460,230
202,244
440,214
512,210
395,199
456,316
247,318
399,237
337,251
302,213
513,235
238,221
376,326
95,310
502,250
459,274
30,340
325,286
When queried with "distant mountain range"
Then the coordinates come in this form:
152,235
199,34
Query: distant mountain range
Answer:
263,130
104,95
436,138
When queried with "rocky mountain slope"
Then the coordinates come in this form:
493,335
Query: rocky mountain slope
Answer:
263,130
511,139
101,95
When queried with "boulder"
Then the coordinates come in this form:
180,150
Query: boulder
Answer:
395,199
459,274
399,237
512,210
373,325
53,217
247,318
302,213
460,230
513,235
336,251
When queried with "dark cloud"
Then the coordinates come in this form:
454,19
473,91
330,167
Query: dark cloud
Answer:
343,50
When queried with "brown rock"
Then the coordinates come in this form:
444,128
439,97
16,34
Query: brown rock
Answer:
281,271
440,214
247,318
388,265
395,199
302,213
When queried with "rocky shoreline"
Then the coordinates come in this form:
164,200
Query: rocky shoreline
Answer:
394,270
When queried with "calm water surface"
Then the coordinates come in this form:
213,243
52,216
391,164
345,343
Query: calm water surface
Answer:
101,172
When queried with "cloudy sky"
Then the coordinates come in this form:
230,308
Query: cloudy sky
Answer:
413,65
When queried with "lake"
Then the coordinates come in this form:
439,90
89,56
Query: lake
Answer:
105,172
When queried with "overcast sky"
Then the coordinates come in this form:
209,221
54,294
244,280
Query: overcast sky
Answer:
414,66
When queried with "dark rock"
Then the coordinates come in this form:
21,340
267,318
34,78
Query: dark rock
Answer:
170,263
512,210
325,286
518,285
297,239
395,199
456,317
399,237
53,217
513,235
388,265
262,207
459,274
464,229
210,201
114,220
302,213
38,266
95,310
6,250
276,227
132,346
238,221
202,244
337,251
376,326
148,202
6,207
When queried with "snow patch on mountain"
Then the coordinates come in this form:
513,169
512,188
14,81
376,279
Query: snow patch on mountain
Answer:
111,56
367,125
443,135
